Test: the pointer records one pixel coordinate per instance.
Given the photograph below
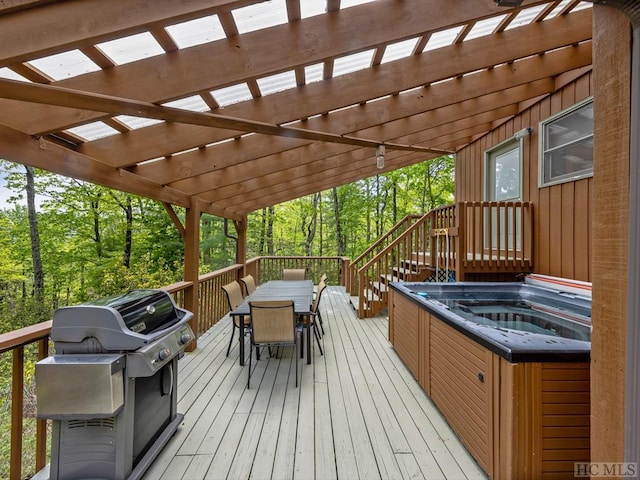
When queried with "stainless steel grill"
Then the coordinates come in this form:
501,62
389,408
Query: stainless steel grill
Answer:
110,388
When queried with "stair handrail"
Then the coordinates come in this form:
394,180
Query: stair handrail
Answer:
377,259
354,284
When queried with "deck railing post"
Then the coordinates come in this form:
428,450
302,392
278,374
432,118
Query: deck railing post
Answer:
17,413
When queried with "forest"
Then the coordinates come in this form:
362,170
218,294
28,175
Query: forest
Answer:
63,241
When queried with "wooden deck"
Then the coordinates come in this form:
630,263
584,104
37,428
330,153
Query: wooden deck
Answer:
357,414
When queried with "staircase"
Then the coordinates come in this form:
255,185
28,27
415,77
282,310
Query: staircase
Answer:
405,256
495,238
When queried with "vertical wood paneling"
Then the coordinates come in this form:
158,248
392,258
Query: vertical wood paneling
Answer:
555,230
424,329
562,213
568,229
405,328
457,390
581,223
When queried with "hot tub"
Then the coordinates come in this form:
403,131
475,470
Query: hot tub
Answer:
518,321
507,364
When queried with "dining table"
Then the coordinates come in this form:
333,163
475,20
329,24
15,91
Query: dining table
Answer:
300,291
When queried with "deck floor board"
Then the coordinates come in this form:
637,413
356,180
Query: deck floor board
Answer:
357,413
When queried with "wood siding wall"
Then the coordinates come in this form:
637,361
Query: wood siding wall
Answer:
562,213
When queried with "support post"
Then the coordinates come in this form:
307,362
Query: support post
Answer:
191,267
241,253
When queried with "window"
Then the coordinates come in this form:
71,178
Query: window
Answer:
566,145
503,183
503,172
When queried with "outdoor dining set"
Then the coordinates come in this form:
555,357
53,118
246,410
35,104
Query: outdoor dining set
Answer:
278,313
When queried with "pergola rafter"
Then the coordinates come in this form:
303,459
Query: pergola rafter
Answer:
239,157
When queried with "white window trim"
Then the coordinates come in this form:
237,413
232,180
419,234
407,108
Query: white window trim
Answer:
541,130
487,157
491,238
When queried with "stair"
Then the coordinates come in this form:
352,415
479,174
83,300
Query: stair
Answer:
403,260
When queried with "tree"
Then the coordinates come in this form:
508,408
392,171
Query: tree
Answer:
126,205
309,225
38,273
340,240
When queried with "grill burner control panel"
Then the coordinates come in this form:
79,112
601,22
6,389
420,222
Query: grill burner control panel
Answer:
147,360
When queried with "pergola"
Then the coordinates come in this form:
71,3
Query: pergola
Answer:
241,104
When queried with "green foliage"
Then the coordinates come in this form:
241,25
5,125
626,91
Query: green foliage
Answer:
367,209
83,230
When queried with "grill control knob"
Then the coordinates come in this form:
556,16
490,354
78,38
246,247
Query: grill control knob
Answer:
185,338
164,354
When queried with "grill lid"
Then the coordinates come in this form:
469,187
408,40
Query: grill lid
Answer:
143,311
121,323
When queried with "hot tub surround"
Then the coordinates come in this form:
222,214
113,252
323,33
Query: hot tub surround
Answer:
517,397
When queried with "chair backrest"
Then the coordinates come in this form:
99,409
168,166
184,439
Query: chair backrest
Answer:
316,301
249,284
234,294
323,278
273,322
293,274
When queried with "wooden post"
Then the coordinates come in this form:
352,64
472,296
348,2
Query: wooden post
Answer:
610,232
241,253
191,262
460,251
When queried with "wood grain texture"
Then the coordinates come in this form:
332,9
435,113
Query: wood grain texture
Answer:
610,233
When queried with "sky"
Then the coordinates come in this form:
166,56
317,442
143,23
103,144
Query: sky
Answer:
4,193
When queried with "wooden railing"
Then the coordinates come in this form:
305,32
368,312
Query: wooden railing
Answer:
30,344
20,344
495,236
456,242
402,259
270,268
353,286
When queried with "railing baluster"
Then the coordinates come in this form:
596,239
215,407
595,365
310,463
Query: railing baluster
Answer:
41,423
17,412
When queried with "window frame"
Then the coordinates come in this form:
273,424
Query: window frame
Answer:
505,238
489,173
566,177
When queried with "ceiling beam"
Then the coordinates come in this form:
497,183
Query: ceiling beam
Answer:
336,177
39,153
440,96
34,33
316,158
51,95
160,140
21,148
166,77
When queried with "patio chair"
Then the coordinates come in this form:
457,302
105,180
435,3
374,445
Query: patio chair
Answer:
273,324
316,301
234,295
310,320
293,274
323,278
249,284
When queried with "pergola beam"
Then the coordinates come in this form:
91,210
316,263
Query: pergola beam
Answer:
508,96
25,149
183,72
162,140
52,95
